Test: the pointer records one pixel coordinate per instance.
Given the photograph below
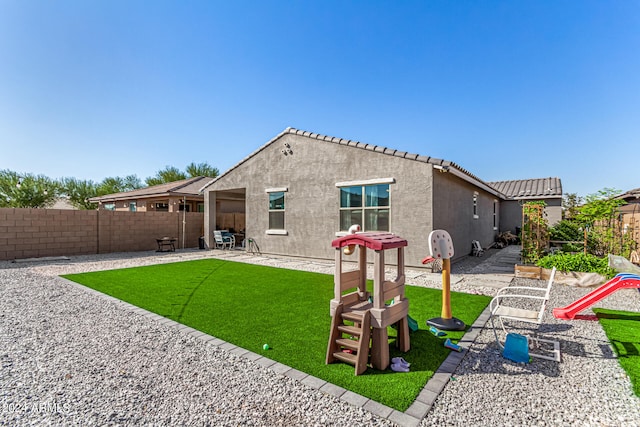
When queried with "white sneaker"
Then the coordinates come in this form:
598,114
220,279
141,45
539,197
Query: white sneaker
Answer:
397,367
400,361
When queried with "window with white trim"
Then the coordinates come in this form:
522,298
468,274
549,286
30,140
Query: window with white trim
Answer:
276,210
475,205
367,205
495,214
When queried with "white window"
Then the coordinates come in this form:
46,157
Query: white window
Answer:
475,205
495,214
367,205
276,210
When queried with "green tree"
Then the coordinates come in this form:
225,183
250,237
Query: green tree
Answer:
79,192
600,216
117,184
570,205
26,190
168,174
202,169
600,206
535,231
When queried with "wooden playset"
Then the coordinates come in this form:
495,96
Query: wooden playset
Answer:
359,318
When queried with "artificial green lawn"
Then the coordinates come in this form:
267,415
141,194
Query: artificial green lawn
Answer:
623,330
251,305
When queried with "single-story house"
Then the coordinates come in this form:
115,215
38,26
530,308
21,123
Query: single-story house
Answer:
170,197
301,190
631,196
631,214
518,192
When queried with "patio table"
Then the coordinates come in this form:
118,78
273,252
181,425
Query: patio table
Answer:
166,244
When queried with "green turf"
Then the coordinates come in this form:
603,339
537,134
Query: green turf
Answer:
250,305
623,330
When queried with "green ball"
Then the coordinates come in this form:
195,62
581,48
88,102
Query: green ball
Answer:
265,347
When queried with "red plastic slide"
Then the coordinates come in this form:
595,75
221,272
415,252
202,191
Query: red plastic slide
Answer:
621,281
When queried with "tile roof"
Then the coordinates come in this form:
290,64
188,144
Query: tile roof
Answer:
630,195
529,188
188,187
444,164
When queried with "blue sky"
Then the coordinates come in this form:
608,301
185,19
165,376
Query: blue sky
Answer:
505,89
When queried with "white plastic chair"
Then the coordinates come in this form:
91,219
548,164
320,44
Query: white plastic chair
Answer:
523,304
477,248
229,238
221,242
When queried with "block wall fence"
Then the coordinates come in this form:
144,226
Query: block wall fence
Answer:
35,233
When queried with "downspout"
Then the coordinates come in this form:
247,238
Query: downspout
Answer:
184,217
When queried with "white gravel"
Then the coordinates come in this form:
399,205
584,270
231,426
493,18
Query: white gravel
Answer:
70,357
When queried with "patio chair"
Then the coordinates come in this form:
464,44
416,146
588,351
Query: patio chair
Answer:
229,238
524,304
221,242
477,248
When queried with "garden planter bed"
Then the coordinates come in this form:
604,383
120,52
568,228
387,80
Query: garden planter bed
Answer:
535,272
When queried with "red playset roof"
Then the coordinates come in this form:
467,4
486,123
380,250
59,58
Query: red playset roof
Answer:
375,241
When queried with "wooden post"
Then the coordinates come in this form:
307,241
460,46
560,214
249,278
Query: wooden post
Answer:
337,277
378,280
362,265
446,288
380,349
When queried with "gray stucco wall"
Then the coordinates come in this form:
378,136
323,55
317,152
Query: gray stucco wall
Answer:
511,213
511,216
312,201
453,209
554,211
310,174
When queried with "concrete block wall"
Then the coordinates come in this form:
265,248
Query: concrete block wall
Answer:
34,233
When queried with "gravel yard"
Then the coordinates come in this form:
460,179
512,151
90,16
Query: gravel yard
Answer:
71,357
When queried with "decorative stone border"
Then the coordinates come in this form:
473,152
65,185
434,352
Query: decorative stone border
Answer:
410,418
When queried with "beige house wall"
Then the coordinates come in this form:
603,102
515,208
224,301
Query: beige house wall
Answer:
33,233
148,205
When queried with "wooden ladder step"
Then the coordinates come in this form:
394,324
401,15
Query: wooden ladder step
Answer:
354,316
350,330
347,343
346,357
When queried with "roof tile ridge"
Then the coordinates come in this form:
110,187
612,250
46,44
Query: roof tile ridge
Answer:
185,182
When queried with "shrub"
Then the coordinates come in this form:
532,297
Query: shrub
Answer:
577,262
566,230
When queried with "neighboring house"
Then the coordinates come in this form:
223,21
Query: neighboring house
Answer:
301,190
170,197
631,213
62,203
631,196
518,192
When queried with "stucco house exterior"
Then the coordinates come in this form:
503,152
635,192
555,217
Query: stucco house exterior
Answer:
170,197
630,213
301,190
517,192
